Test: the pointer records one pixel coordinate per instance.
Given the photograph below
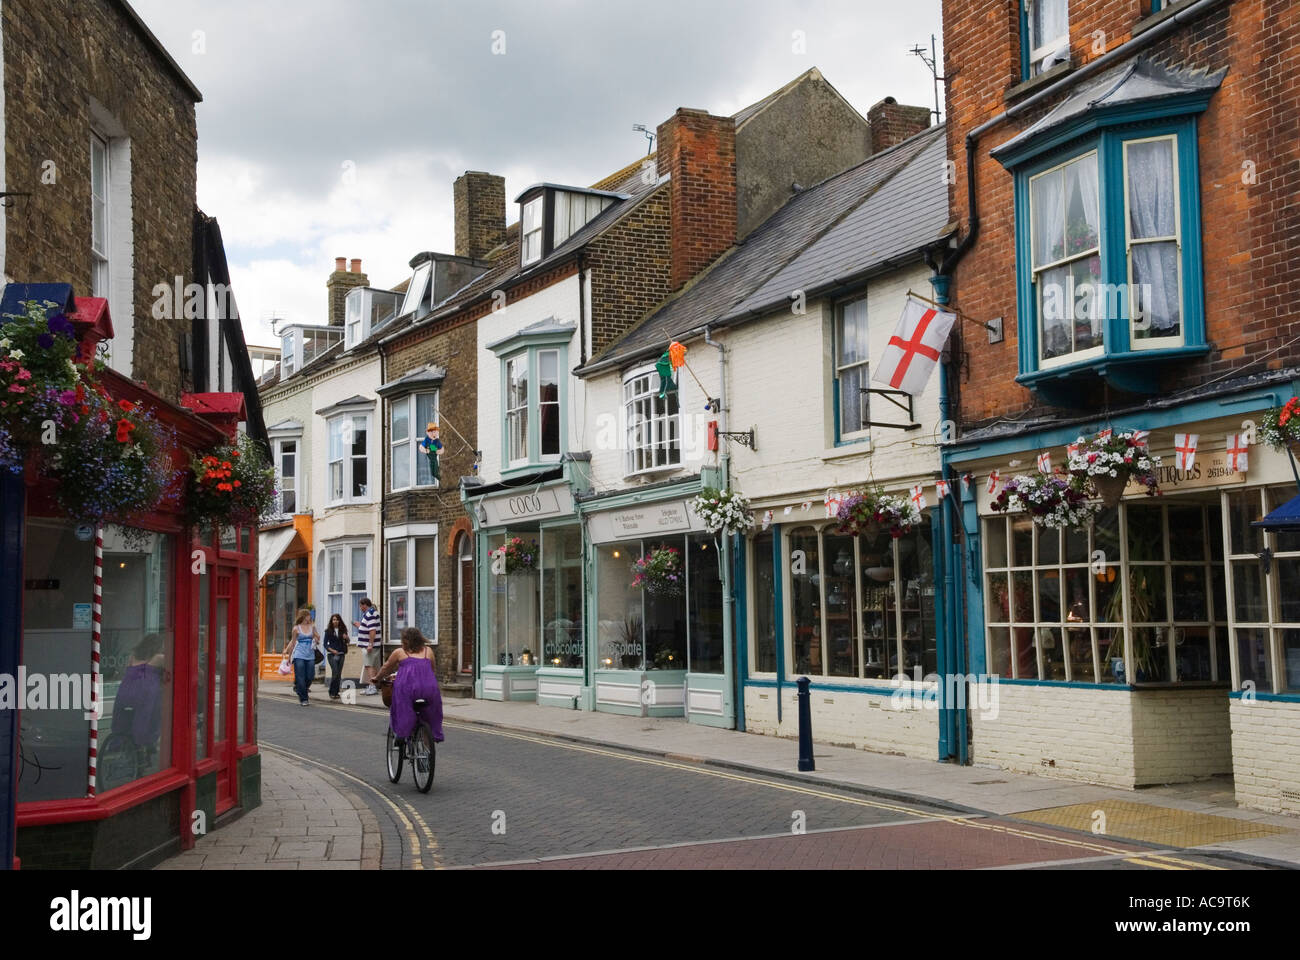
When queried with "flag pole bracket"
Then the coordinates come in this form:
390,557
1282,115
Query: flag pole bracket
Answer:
891,396
746,438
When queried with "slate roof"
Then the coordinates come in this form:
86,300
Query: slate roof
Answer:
1141,80
893,203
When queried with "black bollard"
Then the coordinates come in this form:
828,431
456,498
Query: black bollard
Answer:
805,726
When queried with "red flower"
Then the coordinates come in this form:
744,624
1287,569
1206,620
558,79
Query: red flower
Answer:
236,483
234,453
126,405
225,465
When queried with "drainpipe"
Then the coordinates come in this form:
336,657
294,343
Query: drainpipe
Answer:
728,600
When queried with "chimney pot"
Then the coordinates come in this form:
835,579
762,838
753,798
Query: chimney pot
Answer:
356,266
340,264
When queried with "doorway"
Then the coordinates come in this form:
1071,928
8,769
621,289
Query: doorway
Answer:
465,605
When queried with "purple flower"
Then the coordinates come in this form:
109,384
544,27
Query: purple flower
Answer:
45,341
61,325
67,398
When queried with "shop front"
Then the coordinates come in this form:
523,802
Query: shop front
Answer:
1161,642
136,725
857,615
530,579
284,585
657,638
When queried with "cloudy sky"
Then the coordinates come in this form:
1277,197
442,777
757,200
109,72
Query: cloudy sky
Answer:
335,127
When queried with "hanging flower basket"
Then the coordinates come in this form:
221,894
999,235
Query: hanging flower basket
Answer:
659,571
40,383
1280,427
723,510
111,462
231,486
519,557
1107,463
871,514
1053,500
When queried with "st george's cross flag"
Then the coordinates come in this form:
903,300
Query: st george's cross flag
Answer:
1185,448
994,477
913,350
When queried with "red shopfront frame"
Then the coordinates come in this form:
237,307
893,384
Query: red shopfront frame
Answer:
192,434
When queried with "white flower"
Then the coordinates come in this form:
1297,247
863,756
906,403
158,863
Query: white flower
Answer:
16,354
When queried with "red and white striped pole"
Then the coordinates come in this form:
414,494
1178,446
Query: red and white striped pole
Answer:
96,626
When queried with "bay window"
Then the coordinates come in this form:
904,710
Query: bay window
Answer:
1153,240
408,419
517,410
534,394
654,433
1065,224
347,581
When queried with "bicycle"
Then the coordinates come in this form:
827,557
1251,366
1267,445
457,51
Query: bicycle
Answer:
419,749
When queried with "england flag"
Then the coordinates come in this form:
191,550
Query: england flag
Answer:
913,350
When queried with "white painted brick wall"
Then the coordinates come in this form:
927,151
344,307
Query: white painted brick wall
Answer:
1266,754
844,718
1119,738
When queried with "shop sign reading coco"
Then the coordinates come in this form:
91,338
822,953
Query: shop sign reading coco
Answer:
527,504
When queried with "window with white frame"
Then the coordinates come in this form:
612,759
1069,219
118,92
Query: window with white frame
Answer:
531,230
1065,225
1265,588
417,289
286,469
573,211
1154,240
1048,22
348,580
353,332
408,419
349,459
99,194
413,586
517,409
851,370
288,354
653,424
548,403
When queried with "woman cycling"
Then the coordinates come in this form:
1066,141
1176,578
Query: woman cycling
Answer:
303,644
416,680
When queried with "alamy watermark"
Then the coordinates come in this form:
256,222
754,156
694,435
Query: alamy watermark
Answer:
976,691
52,691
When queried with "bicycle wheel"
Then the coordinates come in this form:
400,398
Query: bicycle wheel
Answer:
396,754
422,758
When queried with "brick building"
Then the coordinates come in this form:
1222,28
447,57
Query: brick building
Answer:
100,224
1126,185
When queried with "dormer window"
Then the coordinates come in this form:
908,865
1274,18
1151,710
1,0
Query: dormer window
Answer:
550,215
300,345
367,310
531,230
417,293
288,354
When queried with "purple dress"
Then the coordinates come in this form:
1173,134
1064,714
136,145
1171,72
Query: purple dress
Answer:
415,680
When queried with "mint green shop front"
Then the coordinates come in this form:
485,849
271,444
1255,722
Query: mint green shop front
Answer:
573,632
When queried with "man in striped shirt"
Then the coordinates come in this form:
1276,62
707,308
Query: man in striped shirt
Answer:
367,636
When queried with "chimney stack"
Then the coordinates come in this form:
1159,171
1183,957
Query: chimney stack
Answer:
339,283
480,208
698,151
891,123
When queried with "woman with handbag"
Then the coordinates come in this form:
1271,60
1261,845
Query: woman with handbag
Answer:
336,648
303,643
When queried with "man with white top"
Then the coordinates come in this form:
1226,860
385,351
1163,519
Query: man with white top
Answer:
367,636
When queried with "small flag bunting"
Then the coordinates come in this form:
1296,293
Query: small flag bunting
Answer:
1238,452
918,496
1044,463
994,477
1185,450
941,489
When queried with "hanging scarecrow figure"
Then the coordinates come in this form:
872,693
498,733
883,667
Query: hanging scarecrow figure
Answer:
664,367
432,447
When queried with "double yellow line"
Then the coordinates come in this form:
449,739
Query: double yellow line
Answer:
1151,860
406,814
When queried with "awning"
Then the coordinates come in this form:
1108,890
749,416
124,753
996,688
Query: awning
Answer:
1285,517
271,547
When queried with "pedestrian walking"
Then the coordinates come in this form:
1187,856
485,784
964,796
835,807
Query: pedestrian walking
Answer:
303,643
368,638
336,649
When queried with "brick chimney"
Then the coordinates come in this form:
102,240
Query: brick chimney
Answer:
892,123
480,201
339,283
698,150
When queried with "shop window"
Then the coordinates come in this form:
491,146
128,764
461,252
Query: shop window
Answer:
513,610
204,587
413,586
852,373
654,440
349,459
763,631
1265,589
1136,598
563,642
704,604
286,593
348,569
862,607
620,639
408,418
